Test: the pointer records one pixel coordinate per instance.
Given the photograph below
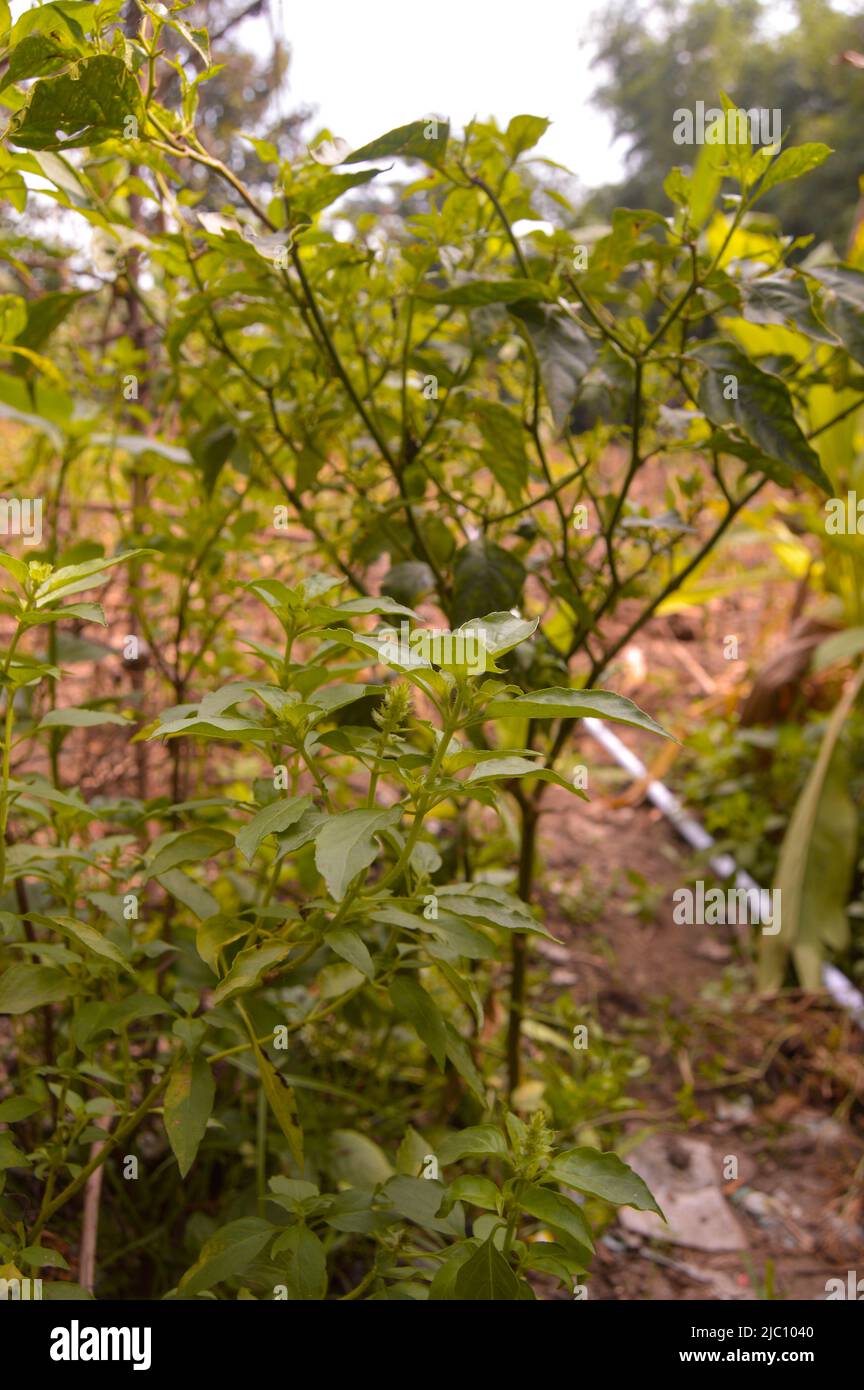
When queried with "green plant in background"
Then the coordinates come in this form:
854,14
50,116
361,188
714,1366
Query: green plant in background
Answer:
439,409
371,927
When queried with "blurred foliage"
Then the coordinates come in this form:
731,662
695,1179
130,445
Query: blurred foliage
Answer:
663,55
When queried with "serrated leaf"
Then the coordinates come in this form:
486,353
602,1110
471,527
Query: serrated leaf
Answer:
248,967
188,847
276,817
281,1100
347,844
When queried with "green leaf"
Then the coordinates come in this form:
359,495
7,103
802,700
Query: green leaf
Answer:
504,449
73,579
459,1055
761,409
602,1175
412,1001
425,140
523,133
501,632
301,1254
88,936
15,567
419,1200
188,1103
211,448
408,582
226,1254
269,821
13,316
10,1155
476,1191
351,947
564,352
843,305
560,703
443,1285
817,861
186,847
485,577
706,183
490,904
217,931
26,987
791,163
189,893
248,967
90,103
45,314
487,1276
324,191
840,646
468,1143
280,1097
554,1209
346,845
356,1159
497,769
18,1108
34,56
476,294
43,1257
783,299
79,719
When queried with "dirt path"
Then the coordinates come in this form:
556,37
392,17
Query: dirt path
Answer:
769,1091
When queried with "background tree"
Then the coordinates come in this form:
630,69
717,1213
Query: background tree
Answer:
658,57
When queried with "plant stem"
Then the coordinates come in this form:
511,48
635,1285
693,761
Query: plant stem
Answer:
519,951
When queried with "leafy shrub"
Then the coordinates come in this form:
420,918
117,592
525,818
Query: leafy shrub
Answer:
289,940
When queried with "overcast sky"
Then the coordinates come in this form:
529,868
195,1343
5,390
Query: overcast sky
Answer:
370,65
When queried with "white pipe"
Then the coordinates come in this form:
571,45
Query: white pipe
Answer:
841,989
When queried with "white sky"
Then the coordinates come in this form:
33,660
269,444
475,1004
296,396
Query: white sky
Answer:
370,65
